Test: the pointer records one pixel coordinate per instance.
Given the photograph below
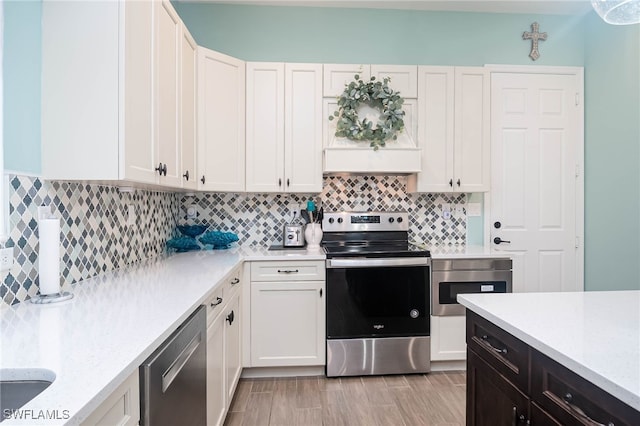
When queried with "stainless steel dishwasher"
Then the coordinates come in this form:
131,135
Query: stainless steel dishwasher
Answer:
173,380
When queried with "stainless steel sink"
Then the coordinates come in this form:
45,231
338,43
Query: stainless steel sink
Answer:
20,385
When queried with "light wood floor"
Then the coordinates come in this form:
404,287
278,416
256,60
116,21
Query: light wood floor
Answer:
424,399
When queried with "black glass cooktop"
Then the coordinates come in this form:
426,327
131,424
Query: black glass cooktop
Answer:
364,249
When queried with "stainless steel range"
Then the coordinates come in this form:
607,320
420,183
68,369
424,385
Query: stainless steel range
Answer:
378,298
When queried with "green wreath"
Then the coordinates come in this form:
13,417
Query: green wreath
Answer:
376,94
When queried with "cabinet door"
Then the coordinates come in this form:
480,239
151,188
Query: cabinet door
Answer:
140,157
221,122
216,392
188,109
232,359
336,76
287,323
435,130
472,144
167,66
404,78
121,408
303,128
491,399
265,127
448,338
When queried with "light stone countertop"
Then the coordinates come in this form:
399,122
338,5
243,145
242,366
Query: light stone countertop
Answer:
96,340
594,334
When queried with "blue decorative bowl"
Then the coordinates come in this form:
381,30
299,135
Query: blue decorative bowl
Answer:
183,244
218,239
192,230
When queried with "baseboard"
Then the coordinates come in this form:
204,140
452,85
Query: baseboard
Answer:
264,372
449,365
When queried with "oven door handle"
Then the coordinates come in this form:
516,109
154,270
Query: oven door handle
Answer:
378,262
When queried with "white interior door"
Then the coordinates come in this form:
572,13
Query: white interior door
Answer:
535,146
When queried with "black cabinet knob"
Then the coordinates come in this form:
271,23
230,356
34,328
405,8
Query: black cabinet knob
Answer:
186,175
202,179
159,169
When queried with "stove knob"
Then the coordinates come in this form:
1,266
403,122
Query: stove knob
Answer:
399,220
390,220
340,220
331,220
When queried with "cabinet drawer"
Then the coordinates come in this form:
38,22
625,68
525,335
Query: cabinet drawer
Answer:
573,400
233,281
215,303
508,355
288,271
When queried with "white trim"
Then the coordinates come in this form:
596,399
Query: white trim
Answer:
486,212
25,174
579,214
4,187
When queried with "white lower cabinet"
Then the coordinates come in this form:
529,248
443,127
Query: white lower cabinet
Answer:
121,408
448,338
224,354
287,314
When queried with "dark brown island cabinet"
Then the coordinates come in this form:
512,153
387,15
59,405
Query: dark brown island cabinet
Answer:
510,383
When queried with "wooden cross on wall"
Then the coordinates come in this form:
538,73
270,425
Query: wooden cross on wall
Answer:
534,36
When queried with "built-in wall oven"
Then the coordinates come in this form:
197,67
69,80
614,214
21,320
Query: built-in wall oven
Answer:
378,296
451,277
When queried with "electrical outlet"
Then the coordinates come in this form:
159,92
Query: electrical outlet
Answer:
459,210
131,214
6,259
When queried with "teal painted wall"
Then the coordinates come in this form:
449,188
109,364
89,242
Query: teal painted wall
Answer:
612,156
21,79
303,34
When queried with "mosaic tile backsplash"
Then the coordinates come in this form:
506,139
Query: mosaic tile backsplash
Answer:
258,218
95,237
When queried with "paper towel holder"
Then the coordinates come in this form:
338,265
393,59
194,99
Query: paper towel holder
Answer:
45,299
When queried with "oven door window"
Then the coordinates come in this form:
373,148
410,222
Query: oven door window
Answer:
378,302
449,291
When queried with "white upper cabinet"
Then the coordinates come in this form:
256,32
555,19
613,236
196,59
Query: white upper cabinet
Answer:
403,78
336,76
187,109
111,92
453,117
221,122
284,128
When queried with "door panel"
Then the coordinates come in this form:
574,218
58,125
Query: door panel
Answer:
534,156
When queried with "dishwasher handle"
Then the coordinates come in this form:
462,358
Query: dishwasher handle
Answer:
176,366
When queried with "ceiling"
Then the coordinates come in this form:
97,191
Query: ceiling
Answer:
565,7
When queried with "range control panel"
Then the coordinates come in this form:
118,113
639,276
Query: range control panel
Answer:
365,221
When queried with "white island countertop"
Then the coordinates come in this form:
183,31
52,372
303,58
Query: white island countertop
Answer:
96,340
594,334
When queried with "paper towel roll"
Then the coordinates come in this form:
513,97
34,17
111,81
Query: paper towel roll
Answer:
49,256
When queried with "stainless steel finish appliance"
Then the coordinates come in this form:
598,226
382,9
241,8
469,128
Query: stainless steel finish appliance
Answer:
173,387
452,277
293,235
378,297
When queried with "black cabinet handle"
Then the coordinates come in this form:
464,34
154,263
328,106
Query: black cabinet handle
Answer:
159,169
568,399
451,183
499,240
279,182
235,281
217,302
516,420
288,271
288,183
320,292
458,182
502,351
202,179
230,318
186,175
